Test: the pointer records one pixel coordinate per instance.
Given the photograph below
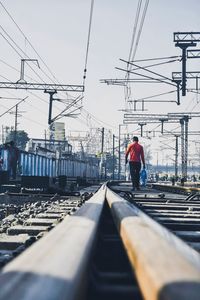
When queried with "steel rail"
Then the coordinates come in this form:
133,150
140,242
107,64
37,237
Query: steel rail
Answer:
162,270
175,188
56,266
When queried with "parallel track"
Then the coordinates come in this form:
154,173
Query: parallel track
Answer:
112,247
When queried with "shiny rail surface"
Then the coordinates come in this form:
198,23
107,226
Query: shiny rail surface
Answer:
163,270
56,266
112,247
176,188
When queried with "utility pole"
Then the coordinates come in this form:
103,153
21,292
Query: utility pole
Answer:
119,154
182,148
176,157
184,47
113,161
141,128
2,136
102,154
184,40
16,114
184,145
186,119
51,93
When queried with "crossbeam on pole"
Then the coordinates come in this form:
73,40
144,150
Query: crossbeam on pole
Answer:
42,86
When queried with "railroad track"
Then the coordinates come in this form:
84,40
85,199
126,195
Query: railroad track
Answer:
185,190
112,247
25,218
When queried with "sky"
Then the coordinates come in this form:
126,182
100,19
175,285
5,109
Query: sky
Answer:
58,30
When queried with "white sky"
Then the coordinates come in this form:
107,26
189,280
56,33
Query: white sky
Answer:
58,30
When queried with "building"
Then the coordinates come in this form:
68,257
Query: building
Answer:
50,148
57,131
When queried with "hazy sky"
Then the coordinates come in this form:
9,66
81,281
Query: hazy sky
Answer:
58,31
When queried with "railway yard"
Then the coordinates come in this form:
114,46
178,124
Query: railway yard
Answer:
103,242
99,170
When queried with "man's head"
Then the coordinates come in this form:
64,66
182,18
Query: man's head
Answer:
135,139
12,143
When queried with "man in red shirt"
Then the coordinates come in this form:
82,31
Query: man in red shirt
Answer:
136,152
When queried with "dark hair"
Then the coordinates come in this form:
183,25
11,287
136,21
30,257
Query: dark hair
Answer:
12,143
135,138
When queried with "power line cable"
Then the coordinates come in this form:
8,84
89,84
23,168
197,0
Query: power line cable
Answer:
145,69
88,40
145,76
27,40
158,64
141,27
29,119
127,88
13,107
19,52
135,28
158,58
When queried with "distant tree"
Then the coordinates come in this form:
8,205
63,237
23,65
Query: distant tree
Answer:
21,138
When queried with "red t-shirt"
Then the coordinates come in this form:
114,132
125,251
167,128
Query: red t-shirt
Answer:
136,152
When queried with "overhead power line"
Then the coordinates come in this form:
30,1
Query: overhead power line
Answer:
135,28
158,58
140,29
27,40
134,45
88,40
42,60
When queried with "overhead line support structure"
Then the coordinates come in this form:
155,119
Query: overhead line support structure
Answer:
47,88
183,119
176,158
184,47
184,40
193,53
189,75
113,158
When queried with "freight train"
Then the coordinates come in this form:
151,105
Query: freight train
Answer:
35,165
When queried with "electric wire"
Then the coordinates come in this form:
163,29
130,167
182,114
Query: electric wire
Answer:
159,58
88,40
145,69
19,52
12,107
145,76
156,95
155,65
135,29
141,27
29,119
27,40
21,49
127,87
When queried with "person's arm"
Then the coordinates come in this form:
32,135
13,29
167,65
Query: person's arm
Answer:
142,157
